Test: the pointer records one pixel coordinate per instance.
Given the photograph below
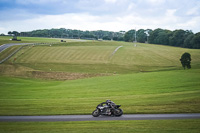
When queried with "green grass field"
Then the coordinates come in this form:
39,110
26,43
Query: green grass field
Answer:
144,126
95,58
144,79
6,39
73,77
156,92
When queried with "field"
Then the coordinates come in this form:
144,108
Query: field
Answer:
155,92
6,39
74,60
73,77
144,79
144,126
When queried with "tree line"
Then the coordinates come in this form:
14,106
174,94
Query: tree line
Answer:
178,38
73,34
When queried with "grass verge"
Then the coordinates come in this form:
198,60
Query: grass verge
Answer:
155,92
147,126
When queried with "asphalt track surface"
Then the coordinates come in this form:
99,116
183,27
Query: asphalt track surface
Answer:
100,118
5,46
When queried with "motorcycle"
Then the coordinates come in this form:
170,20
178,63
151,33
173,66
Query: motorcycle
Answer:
112,110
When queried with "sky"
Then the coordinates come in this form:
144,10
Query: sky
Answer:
109,15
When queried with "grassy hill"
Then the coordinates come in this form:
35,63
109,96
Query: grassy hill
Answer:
6,39
96,58
156,92
144,79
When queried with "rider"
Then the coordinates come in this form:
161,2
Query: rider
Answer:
108,103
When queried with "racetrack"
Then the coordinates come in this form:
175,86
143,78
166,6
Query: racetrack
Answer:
101,118
5,46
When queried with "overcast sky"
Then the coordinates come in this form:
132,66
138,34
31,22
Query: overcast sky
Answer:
111,15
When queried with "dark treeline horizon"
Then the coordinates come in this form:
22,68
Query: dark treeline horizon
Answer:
178,38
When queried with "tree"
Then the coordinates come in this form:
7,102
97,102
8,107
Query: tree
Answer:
9,32
162,37
196,41
185,60
153,36
177,38
141,36
188,41
129,36
106,38
15,33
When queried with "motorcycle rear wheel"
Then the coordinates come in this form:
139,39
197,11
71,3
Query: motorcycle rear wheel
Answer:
118,112
95,113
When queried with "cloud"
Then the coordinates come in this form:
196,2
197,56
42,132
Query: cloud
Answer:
110,1
170,16
38,2
156,2
190,24
194,11
113,15
15,14
82,21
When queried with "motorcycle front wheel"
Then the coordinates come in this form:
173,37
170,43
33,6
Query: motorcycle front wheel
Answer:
95,113
118,112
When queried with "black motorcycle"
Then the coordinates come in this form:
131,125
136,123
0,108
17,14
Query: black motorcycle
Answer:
108,110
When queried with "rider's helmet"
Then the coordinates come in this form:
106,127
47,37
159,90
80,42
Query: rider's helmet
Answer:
108,101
